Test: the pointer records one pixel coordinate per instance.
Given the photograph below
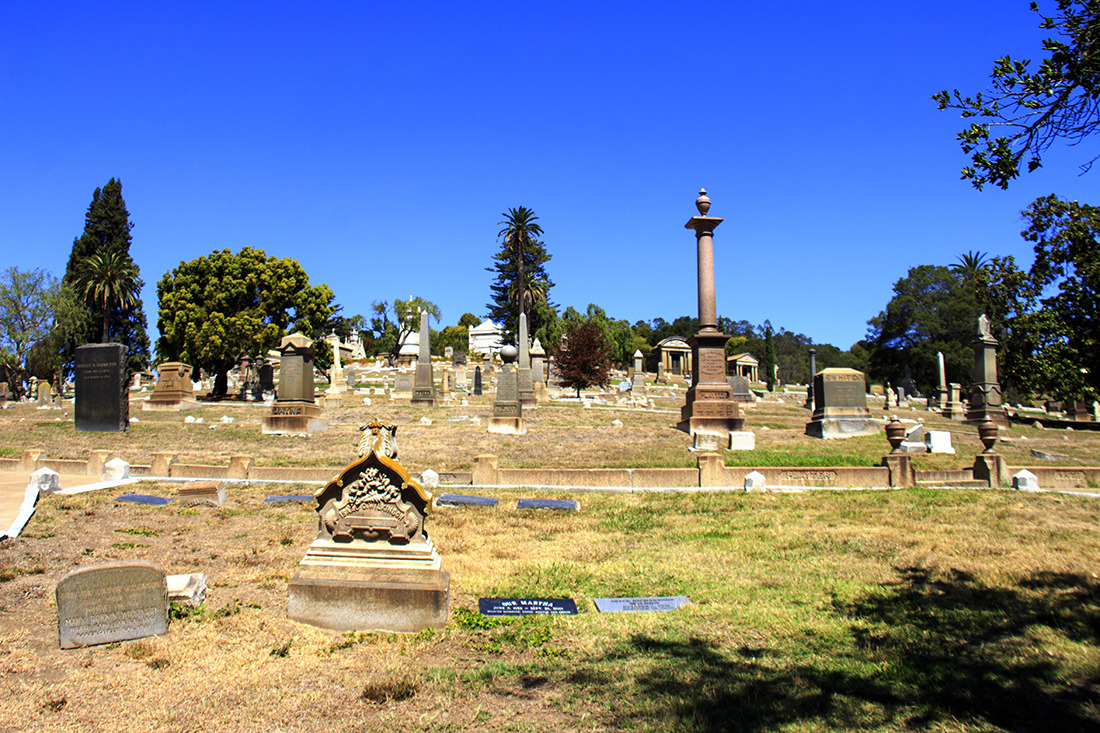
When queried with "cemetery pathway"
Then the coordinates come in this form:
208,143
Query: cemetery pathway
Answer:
13,486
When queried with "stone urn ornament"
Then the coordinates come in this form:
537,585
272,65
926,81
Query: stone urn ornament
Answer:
895,433
987,433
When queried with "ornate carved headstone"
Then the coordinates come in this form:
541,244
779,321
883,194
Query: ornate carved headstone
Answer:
372,566
102,399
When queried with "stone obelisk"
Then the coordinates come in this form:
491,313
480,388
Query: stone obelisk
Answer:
524,385
710,413
423,385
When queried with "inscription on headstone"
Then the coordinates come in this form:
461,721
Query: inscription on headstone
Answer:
639,605
526,606
113,601
102,400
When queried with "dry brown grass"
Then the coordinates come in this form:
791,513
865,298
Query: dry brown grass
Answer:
811,611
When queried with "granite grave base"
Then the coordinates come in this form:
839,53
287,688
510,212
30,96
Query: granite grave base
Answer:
370,586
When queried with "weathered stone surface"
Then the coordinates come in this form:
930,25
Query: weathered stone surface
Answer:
202,493
102,397
186,590
112,601
173,390
755,482
1025,481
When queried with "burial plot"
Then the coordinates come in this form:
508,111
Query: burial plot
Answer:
202,493
102,399
372,567
840,406
112,601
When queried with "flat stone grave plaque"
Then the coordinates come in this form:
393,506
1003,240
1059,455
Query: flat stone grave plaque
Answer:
144,499
636,605
526,606
465,500
558,504
112,601
289,497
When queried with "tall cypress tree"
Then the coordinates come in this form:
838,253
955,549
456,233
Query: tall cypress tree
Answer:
521,280
107,229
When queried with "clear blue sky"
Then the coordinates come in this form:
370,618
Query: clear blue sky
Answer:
379,144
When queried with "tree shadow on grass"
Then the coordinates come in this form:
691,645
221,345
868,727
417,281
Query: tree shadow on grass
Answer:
929,651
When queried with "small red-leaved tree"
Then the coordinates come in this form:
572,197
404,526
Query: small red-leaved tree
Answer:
582,357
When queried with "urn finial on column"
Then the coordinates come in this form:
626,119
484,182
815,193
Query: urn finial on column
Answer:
702,203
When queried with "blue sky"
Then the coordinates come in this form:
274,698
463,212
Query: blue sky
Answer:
379,144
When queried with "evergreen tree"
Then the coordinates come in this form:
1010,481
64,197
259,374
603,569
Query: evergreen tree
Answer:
106,231
521,279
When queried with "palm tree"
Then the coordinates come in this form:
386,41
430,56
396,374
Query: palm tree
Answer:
971,269
110,279
518,232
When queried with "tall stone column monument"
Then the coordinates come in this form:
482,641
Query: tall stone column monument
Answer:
710,413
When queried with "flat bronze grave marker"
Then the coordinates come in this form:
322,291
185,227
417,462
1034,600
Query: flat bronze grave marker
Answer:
526,606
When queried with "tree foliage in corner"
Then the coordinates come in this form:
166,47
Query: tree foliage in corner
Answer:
219,308
392,323
581,359
36,315
120,316
1034,106
1059,324
521,279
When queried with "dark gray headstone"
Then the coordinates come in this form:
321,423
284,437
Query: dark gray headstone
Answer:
113,601
267,378
477,381
144,499
102,398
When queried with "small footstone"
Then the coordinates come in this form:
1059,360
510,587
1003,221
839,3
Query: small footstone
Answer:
289,497
144,499
465,500
558,504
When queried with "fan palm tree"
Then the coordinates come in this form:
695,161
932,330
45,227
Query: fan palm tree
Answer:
519,231
110,279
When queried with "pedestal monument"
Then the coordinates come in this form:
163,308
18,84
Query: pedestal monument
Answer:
985,390
507,416
709,413
294,411
174,390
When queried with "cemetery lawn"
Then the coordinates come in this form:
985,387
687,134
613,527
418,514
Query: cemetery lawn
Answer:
560,435
949,610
